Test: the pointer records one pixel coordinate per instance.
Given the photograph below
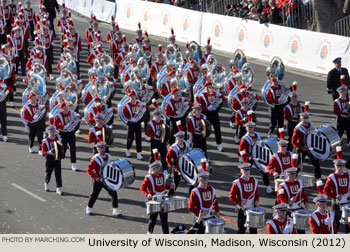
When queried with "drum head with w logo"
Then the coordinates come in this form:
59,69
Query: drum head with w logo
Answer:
188,169
112,176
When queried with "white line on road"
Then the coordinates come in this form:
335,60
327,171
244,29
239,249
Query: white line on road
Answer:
28,192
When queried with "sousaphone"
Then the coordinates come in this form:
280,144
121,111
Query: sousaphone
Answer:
238,60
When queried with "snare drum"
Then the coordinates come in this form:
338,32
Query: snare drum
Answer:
214,226
345,209
190,164
255,217
153,207
307,180
169,205
279,181
322,141
301,219
262,151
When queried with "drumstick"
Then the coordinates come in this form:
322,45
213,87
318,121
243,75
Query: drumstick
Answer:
330,226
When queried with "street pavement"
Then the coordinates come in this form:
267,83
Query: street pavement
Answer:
26,208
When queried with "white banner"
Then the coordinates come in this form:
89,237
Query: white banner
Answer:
157,19
85,7
104,10
72,4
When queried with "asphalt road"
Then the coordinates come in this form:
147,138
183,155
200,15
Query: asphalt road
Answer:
26,208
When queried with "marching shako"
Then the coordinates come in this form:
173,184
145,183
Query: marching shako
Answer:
245,193
52,163
155,184
291,192
94,170
281,223
203,203
322,220
337,188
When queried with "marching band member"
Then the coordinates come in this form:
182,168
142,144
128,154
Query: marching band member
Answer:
3,28
6,12
281,223
192,74
208,47
341,108
120,61
173,108
335,78
282,159
62,121
3,110
88,30
39,56
98,107
195,129
115,40
30,15
139,38
131,110
245,193
94,170
232,82
30,114
298,140
47,44
236,104
180,147
169,83
154,132
203,201
337,188
95,133
77,47
95,51
207,100
11,79
245,151
322,220
51,164
147,47
20,50
172,38
155,184
157,65
62,22
241,117
291,114
273,96
291,192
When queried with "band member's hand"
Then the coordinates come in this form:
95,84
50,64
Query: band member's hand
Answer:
300,166
257,204
210,107
276,174
329,91
51,152
217,214
339,196
142,103
41,106
292,200
204,213
149,196
133,120
287,229
35,117
186,103
76,114
97,178
328,221
250,158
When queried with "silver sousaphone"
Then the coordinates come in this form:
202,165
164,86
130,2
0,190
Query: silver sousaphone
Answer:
5,72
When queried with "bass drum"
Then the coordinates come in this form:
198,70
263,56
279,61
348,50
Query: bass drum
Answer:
262,152
190,164
322,141
117,174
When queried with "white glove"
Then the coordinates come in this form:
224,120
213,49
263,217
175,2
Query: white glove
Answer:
3,85
133,119
109,110
142,103
177,112
76,114
35,117
287,229
327,221
159,132
186,103
51,152
41,106
280,99
98,133
210,107
198,128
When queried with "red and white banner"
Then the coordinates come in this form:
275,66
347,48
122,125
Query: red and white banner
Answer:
157,19
104,10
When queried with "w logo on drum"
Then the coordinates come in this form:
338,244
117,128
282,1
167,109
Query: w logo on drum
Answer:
188,169
112,174
248,187
342,181
319,143
206,196
159,181
294,189
286,160
263,154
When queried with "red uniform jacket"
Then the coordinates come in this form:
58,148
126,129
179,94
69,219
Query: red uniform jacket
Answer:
242,190
317,224
131,110
166,88
236,101
95,135
205,99
340,107
203,199
291,112
273,93
30,14
154,184
175,151
153,127
96,163
47,144
279,162
288,190
240,115
119,59
247,142
276,226
299,132
337,184
192,74
29,111
155,68
62,119
193,123
96,110
172,106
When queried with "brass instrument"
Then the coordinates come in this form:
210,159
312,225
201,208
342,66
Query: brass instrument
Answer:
195,51
5,72
205,128
217,75
107,135
59,150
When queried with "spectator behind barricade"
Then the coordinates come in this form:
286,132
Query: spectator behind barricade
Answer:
291,14
250,4
274,14
228,10
253,14
265,6
258,5
243,13
263,18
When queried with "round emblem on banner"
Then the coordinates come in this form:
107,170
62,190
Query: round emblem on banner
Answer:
165,19
128,12
217,30
85,3
324,52
185,24
324,49
267,40
103,8
241,35
145,16
295,46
